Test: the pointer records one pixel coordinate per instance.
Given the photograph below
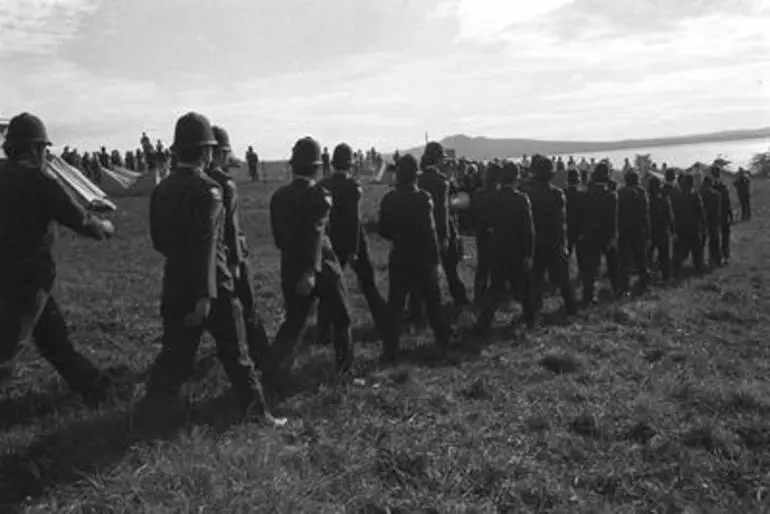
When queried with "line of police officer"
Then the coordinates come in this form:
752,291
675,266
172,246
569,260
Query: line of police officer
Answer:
525,229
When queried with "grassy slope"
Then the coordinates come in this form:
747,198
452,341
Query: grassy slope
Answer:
648,405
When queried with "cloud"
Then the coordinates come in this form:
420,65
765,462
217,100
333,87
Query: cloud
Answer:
40,26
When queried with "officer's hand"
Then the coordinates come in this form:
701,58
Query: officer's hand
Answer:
108,228
235,271
199,315
306,284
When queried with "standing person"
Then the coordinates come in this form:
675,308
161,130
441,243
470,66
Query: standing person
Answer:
186,227
406,220
726,213
510,221
237,247
479,209
599,233
32,202
575,200
348,238
299,215
549,211
663,229
742,186
252,161
327,163
634,231
690,221
712,206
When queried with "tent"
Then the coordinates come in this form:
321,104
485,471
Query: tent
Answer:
120,182
77,184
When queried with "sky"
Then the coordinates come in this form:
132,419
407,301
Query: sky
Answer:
383,73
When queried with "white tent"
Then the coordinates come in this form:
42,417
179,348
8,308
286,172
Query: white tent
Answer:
79,185
120,182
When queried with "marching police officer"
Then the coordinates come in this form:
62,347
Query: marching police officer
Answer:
634,230
252,160
690,225
237,247
479,208
549,211
712,206
299,216
32,201
726,220
662,227
186,227
511,224
406,220
599,233
348,237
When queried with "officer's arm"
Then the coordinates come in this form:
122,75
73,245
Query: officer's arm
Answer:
275,219
155,212
428,227
63,208
384,223
612,219
208,221
647,218
442,212
354,216
310,239
561,206
232,224
528,224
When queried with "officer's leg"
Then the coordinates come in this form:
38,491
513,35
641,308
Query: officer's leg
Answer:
481,276
726,241
715,250
640,261
282,352
696,249
612,257
398,289
11,322
227,328
50,336
589,263
680,252
364,270
256,335
494,296
174,365
449,261
626,255
431,292
333,296
664,257
559,273
539,266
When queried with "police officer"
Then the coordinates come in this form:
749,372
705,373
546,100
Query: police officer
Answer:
599,233
634,230
726,213
252,160
742,186
406,220
237,247
690,225
186,227
549,211
712,206
662,227
310,270
348,237
436,184
510,222
575,200
479,209
32,201
327,169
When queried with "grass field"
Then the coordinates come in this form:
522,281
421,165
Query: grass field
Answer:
655,404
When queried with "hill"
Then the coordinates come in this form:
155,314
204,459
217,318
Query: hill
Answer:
657,403
488,148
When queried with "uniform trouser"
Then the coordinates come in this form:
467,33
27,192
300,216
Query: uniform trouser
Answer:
449,262
715,246
253,173
745,201
508,274
591,253
481,278
633,254
256,335
35,314
362,267
726,239
688,242
331,293
660,249
174,365
404,280
554,260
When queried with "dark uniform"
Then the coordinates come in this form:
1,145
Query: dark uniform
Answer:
186,227
406,220
510,221
599,233
662,228
726,213
690,220
575,200
549,211
326,162
712,205
252,160
32,201
299,215
348,238
479,209
238,252
633,231
742,186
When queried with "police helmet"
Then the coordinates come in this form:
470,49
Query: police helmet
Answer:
193,130
406,172
222,138
305,155
26,128
342,156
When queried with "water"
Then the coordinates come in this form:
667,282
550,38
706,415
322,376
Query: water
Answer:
739,153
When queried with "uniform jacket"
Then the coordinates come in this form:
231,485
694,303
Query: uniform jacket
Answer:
633,212
406,220
186,227
661,217
726,210
32,201
512,225
437,185
689,215
235,240
575,206
600,220
549,210
344,219
712,205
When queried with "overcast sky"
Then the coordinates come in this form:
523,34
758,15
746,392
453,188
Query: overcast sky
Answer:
383,72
